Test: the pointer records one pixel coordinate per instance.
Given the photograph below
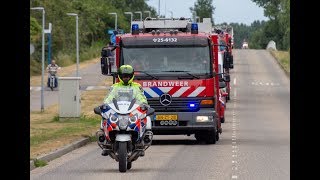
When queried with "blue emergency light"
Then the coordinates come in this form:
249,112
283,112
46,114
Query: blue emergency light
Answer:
194,28
192,105
135,29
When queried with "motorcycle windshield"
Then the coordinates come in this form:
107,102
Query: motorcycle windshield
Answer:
124,100
124,94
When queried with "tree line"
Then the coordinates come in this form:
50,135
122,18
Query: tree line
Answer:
94,21
259,33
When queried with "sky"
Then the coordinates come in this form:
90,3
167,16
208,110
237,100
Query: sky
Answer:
229,11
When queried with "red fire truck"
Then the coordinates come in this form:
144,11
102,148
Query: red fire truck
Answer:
177,66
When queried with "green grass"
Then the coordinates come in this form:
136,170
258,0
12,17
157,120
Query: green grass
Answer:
67,127
283,57
39,163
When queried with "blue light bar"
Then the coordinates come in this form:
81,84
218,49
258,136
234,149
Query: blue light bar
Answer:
135,29
194,28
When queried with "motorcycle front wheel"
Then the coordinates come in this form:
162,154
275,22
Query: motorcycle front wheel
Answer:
122,156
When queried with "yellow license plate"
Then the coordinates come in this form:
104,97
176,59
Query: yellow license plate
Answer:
166,117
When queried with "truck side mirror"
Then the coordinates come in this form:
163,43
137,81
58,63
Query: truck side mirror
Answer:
222,85
231,61
226,78
104,66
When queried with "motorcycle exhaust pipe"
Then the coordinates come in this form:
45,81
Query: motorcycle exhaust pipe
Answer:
134,156
112,155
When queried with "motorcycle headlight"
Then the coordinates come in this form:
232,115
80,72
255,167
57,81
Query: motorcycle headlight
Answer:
133,118
113,118
123,122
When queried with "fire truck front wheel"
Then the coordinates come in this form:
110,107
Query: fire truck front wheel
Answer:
210,137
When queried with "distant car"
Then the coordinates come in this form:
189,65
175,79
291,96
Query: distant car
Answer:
245,45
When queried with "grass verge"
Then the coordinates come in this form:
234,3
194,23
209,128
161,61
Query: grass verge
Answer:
48,132
283,57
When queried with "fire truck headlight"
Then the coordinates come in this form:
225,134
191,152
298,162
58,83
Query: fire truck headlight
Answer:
204,118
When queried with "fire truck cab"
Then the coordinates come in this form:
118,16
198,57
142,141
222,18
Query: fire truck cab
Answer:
176,63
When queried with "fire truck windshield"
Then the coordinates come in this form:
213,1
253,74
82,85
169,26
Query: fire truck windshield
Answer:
178,59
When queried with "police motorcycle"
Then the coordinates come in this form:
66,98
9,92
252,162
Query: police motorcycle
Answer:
52,81
125,128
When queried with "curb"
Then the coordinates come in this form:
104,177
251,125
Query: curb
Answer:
60,152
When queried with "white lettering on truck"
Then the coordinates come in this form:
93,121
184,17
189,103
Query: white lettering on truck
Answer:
165,83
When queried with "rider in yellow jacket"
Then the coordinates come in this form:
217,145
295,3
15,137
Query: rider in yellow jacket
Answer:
126,76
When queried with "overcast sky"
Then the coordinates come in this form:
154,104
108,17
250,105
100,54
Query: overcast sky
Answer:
237,11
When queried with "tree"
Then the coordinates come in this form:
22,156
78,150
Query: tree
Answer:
278,27
203,9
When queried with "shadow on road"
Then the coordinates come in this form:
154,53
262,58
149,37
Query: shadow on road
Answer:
177,142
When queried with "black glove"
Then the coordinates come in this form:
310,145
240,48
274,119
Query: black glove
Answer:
103,107
144,107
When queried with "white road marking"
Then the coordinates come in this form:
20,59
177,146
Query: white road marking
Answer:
95,87
234,81
234,142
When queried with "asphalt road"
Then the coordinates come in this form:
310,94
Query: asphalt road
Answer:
254,144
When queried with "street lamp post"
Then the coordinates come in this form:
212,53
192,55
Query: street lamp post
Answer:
159,9
77,39
148,13
139,12
131,14
115,21
171,14
42,67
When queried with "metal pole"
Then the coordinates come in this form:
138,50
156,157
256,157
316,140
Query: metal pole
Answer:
42,74
49,48
148,13
159,9
130,13
171,14
139,12
116,22
77,36
77,40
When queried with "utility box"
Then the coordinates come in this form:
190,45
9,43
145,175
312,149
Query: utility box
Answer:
69,97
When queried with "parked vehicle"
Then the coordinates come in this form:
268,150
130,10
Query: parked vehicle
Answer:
124,134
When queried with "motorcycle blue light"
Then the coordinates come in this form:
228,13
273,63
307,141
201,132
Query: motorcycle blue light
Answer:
194,28
135,29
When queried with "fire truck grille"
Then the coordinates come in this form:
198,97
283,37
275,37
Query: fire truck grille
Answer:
177,105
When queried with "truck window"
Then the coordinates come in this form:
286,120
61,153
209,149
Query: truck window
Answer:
191,59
